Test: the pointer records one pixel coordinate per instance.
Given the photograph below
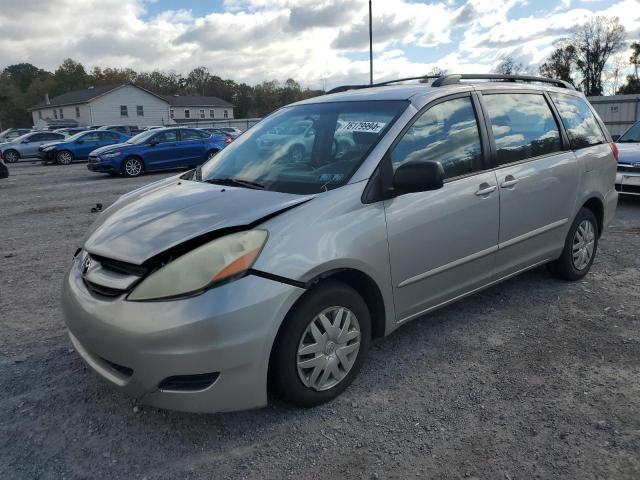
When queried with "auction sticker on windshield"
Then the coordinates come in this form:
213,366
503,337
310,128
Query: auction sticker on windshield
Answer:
372,127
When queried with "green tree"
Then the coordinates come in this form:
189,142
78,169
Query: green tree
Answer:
560,64
71,75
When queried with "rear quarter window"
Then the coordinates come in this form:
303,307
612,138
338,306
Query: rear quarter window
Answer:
582,127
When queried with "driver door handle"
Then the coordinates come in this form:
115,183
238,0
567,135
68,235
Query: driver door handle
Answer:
509,181
485,189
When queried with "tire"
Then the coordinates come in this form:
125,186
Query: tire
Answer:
132,167
294,376
580,248
11,156
64,157
296,153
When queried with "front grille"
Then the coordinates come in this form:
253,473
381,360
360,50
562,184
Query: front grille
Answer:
93,159
120,267
102,290
632,189
126,371
189,383
628,168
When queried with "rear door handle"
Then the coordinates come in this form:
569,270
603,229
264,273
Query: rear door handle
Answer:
485,189
509,181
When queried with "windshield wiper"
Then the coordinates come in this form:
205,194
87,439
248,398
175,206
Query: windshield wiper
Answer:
235,182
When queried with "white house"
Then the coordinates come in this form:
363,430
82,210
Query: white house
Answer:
195,109
125,105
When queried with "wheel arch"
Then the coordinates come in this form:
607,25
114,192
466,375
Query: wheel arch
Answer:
596,205
17,152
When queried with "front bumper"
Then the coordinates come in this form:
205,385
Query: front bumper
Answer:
47,156
628,182
136,345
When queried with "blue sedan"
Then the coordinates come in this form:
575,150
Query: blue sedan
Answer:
78,146
159,149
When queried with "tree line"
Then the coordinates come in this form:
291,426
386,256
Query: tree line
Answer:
590,59
24,85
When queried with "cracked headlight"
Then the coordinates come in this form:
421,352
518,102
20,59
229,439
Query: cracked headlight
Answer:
218,261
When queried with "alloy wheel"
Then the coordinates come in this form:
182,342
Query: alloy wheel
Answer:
133,167
65,158
328,348
11,156
583,245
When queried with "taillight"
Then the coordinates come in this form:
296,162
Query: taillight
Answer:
614,149
228,140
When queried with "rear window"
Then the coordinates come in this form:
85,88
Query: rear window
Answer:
582,128
523,126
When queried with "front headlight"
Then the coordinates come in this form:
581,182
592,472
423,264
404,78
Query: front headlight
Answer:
111,154
222,259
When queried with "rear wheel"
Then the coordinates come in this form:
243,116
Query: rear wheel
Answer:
321,346
11,156
132,167
65,157
580,248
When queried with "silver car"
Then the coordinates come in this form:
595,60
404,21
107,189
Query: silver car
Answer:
27,145
255,273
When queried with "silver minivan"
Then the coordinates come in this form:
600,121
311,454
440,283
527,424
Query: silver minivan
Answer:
264,270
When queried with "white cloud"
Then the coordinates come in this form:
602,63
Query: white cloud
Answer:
312,41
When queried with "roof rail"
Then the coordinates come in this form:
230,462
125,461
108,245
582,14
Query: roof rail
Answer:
344,88
454,79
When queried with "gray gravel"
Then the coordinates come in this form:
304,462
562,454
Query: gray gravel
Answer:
533,378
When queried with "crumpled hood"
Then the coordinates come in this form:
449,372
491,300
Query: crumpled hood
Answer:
628,152
154,218
114,147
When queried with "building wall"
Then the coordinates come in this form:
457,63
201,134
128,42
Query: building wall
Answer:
218,113
105,110
68,112
618,112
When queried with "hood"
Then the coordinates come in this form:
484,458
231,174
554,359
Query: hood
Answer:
628,152
150,220
51,144
109,148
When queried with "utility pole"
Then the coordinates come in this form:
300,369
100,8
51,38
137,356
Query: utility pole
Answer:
370,47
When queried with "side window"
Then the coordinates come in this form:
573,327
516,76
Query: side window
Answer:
91,137
582,128
53,136
447,133
190,135
165,137
38,137
523,126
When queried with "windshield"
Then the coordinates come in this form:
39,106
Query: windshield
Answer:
306,148
631,135
142,137
75,137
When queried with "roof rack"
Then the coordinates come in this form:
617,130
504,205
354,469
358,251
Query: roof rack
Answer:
344,88
453,79
442,80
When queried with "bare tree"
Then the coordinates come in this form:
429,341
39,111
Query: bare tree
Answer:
594,43
560,63
509,66
613,73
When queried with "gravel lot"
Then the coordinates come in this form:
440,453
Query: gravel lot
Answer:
533,378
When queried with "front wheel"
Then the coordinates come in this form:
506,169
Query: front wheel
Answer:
321,345
132,167
64,157
580,248
11,156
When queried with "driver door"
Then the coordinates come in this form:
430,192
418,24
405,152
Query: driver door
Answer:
442,243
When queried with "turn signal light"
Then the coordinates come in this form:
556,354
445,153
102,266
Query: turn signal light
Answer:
614,149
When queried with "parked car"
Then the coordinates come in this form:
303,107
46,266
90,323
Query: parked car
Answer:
129,130
4,170
628,177
257,273
217,131
78,146
151,127
159,149
70,131
234,132
12,133
27,145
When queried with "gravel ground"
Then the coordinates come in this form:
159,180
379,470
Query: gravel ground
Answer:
533,378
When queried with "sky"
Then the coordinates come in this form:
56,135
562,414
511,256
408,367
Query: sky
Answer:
319,43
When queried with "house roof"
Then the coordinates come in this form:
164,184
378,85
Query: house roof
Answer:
195,101
85,95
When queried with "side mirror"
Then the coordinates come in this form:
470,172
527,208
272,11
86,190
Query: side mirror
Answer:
418,177
615,138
